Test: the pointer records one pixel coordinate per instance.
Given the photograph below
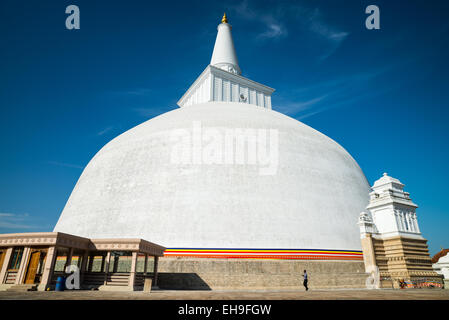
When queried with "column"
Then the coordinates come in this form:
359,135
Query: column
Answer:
402,218
415,221
398,223
156,260
410,222
23,265
48,269
83,266
5,265
68,261
407,221
369,255
115,263
132,274
145,265
106,265
103,257
412,225
212,88
84,261
91,262
407,224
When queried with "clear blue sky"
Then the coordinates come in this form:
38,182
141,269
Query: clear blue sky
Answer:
382,94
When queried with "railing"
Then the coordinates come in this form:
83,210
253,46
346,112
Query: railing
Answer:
93,278
117,279
11,277
112,278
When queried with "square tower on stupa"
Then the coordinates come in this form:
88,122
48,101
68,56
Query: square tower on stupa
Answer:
393,247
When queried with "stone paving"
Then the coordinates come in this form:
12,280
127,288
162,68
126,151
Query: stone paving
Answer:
384,294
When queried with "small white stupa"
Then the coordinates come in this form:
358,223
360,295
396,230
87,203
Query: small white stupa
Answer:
393,247
391,212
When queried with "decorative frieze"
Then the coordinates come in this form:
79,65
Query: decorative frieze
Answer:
71,241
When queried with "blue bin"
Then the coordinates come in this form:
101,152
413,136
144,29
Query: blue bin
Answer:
60,284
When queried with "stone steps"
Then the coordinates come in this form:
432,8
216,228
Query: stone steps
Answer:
23,288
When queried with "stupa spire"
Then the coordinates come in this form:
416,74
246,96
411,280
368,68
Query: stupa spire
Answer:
222,81
224,19
224,56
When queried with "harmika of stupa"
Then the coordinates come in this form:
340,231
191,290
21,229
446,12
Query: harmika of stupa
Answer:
162,200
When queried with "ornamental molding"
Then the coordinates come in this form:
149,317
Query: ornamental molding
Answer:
59,239
207,79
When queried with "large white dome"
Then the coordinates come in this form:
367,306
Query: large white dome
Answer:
132,188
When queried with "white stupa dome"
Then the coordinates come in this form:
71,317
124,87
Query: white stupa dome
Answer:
308,195
131,188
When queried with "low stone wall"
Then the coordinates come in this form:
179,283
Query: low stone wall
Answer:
123,265
187,273
233,274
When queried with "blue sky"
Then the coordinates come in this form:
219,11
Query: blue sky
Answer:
382,94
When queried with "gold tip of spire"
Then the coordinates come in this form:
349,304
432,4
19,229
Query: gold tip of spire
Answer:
224,19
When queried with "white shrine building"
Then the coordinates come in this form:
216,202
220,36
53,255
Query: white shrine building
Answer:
393,246
391,211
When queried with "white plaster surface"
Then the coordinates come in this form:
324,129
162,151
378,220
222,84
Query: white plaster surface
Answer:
131,189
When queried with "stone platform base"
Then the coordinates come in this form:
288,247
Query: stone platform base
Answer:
427,282
256,274
22,288
4,287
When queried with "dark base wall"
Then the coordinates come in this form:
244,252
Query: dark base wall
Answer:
258,274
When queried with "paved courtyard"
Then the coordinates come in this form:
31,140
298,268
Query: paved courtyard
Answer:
384,294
